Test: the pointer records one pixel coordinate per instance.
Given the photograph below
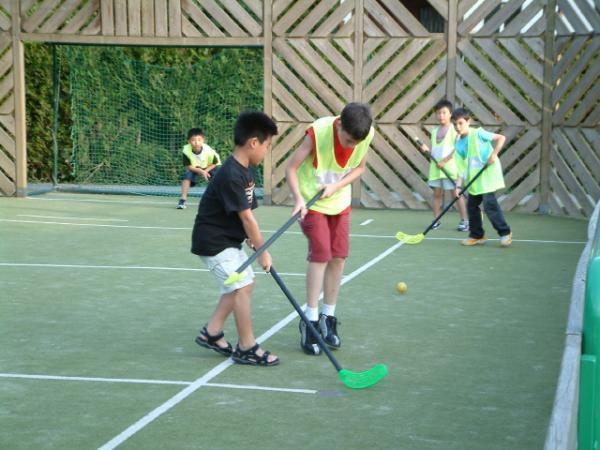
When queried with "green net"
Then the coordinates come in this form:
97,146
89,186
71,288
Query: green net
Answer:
130,117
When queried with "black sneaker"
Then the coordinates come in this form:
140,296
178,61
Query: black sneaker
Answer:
328,329
181,204
307,341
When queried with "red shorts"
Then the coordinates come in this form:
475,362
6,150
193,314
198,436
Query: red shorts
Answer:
328,236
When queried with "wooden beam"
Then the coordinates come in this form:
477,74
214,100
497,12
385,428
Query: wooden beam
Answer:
451,38
19,98
547,106
107,17
268,92
359,8
248,41
175,18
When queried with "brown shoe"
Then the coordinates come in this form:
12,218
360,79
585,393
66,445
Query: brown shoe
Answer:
470,241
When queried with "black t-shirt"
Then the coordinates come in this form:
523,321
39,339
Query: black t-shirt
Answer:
218,225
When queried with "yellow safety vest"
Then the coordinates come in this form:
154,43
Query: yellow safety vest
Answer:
491,179
440,151
205,158
328,171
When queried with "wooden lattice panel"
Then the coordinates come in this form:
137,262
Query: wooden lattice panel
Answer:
233,18
575,171
492,17
577,17
500,80
396,174
7,122
392,18
576,81
311,78
289,139
403,78
5,15
64,17
314,18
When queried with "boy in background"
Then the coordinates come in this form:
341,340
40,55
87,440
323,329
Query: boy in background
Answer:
332,155
223,222
443,138
199,159
474,145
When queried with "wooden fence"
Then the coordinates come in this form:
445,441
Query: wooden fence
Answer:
527,68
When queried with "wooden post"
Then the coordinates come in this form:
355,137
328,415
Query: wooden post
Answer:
451,38
547,107
358,84
19,96
268,93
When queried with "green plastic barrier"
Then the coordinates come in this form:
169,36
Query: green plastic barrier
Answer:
589,384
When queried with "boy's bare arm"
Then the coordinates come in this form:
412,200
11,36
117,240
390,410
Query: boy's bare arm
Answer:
291,173
499,139
441,163
197,170
256,240
354,174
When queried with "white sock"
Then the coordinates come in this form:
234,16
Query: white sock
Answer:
328,310
312,313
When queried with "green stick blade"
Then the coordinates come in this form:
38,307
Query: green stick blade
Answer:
234,278
362,380
410,238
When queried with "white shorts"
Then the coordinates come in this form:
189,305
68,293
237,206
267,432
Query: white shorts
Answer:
224,264
444,183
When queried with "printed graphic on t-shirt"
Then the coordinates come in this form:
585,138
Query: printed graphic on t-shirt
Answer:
250,193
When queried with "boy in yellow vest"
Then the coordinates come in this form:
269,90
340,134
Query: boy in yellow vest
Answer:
199,159
332,155
443,138
474,145
224,221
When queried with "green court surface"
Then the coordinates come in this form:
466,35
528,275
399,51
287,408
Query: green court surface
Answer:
100,307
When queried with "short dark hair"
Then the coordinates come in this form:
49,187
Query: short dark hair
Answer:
251,124
443,104
194,132
461,113
356,120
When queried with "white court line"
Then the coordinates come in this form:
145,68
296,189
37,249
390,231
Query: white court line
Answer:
74,218
366,222
250,387
92,379
137,227
262,388
203,380
89,266
370,236
92,200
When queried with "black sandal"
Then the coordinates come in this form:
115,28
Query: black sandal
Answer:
207,341
251,358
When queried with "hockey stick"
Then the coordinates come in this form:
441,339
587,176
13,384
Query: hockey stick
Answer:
418,238
353,380
240,273
431,158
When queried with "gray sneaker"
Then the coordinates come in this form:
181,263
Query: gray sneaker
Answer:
463,225
328,328
181,204
307,341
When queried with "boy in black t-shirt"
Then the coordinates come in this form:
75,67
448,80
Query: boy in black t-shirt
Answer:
223,222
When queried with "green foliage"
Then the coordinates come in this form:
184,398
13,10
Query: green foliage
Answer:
128,109
39,108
